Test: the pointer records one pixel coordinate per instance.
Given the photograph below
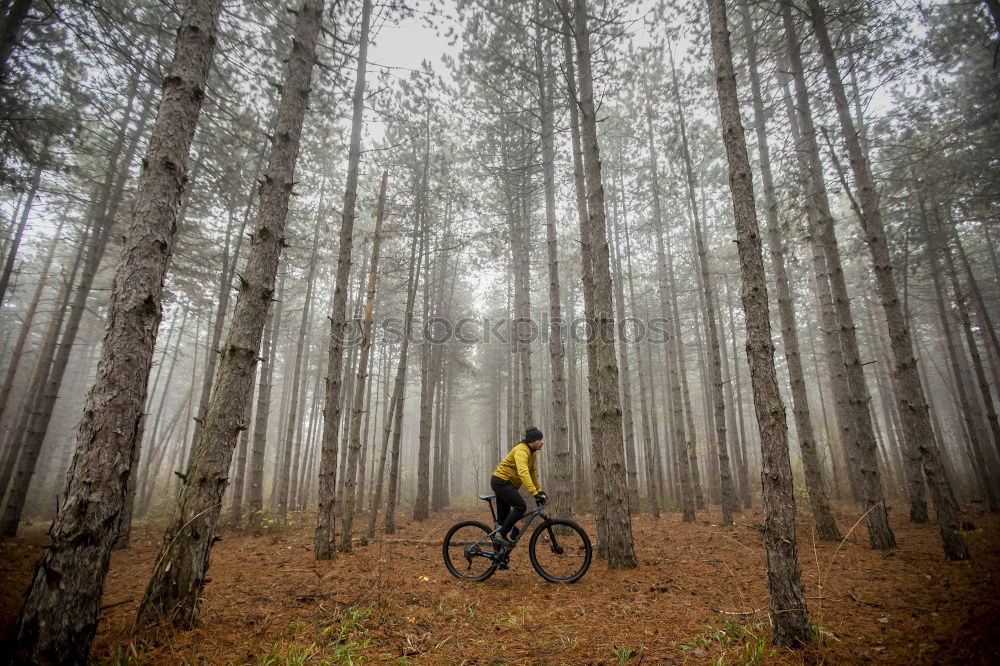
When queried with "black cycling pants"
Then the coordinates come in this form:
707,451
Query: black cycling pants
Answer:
510,504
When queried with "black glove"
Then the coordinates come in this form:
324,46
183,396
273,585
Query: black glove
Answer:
541,498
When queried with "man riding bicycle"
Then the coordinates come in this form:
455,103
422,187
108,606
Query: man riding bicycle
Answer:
517,469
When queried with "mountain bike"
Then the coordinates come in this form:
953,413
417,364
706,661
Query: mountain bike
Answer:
559,549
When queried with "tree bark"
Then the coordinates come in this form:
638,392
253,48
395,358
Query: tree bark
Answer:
59,617
910,400
354,443
606,417
398,395
46,354
175,588
15,242
826,525
152,450
30,439
10,28
287,469
628,422
789,615
970,340
880,535
26,322
580,198
272,332
649,440
730,505
392,490
558,436
737,399
421,509
324,542
682,442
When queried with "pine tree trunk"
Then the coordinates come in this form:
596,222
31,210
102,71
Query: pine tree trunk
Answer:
649,440
29,440
826,525
219,320
912,405
440,464
125,522
520,253
176,586
287,468
825,312
580,191
236,508
59,618
30,434
744,471
354,443
789,616
46,354
730,505
606,426
396,402
428,362
15,242
986,325
682,444
628,423
880,535
970,341
992,344
272,332
156,446
325,538
392,491
558,436
683,394
10,29
26,322
376,386
730,405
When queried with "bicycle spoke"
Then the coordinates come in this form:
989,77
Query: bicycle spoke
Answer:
560,551
468,551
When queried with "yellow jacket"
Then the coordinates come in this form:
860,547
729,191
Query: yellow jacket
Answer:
518,467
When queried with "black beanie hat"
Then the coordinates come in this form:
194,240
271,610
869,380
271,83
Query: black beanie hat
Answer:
532,434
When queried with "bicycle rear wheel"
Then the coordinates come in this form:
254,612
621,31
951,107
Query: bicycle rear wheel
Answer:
560,551
468,551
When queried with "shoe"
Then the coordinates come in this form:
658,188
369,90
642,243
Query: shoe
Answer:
503,542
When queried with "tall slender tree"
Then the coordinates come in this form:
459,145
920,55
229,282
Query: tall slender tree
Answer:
59,617
324,545
789,616
911,403
354,444
175,588
826,526
617,546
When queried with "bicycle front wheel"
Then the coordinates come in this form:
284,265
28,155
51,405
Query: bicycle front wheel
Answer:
468,551
560,551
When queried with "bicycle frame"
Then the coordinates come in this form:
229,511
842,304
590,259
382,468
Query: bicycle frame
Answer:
525,521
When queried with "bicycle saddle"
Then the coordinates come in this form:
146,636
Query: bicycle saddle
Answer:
486,497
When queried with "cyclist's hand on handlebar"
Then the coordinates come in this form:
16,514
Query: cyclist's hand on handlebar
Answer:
541,498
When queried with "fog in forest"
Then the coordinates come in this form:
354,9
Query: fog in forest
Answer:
311,270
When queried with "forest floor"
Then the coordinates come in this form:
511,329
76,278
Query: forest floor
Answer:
698,596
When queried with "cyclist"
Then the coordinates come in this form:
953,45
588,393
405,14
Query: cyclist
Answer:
517,469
